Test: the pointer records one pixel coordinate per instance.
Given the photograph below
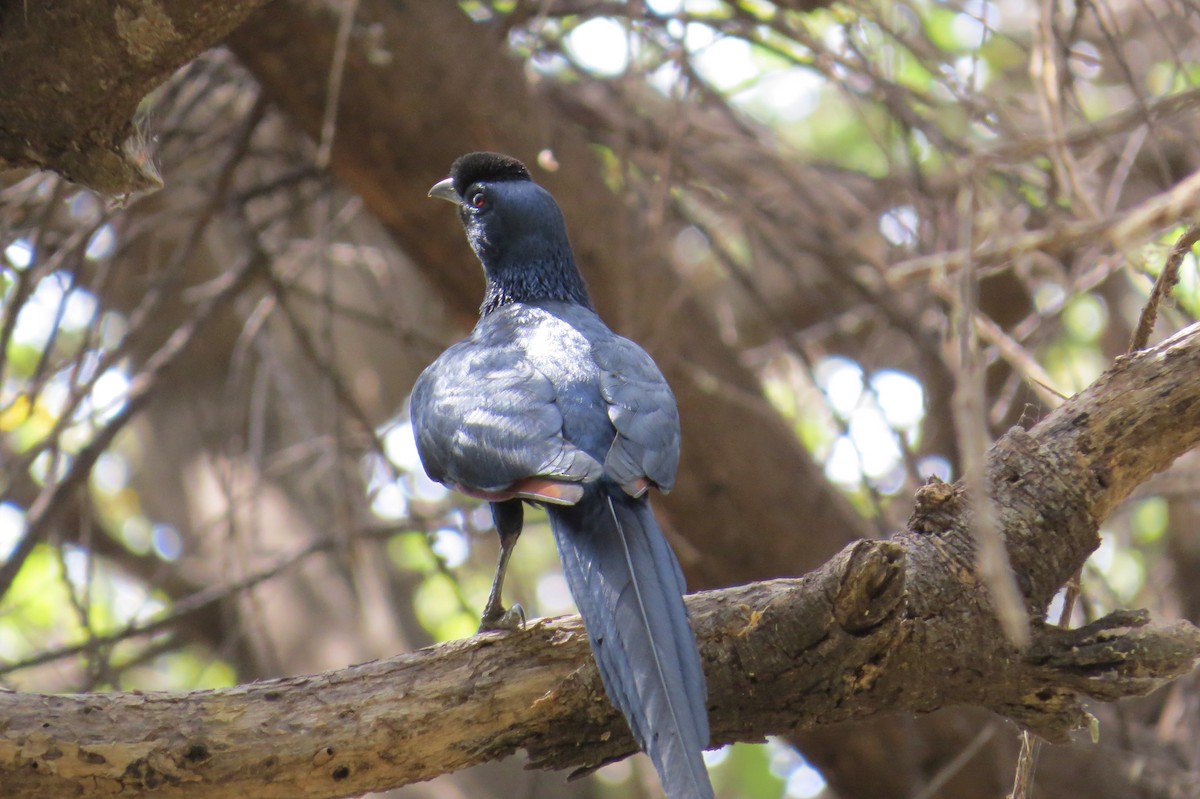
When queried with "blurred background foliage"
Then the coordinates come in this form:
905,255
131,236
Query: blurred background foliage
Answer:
251,504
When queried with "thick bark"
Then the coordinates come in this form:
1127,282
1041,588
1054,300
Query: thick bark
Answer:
74,73
901,625
838,644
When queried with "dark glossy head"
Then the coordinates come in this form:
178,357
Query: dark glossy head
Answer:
515,228
485,167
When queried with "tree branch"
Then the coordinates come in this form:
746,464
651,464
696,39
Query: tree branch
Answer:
74,73
780,654
885,626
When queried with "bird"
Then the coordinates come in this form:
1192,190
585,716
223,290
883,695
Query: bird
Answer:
543,404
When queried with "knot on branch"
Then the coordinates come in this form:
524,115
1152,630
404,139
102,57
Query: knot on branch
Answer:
936,507
1037,489
872,585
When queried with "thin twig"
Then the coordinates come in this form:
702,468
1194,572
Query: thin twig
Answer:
337,70
1031,744
51,500
992,560
1167,279
1120,231
947,772
1031,747
206,597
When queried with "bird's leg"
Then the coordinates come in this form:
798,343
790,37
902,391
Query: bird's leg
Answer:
509,516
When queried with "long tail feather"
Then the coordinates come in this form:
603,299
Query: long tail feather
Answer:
628,586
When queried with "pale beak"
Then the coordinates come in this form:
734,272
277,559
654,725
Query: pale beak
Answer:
444,190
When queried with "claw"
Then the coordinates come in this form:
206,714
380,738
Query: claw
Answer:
510,620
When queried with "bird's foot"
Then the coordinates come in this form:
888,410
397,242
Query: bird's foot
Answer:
503,620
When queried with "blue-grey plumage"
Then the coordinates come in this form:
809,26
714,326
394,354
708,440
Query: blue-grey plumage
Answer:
542,402
628,586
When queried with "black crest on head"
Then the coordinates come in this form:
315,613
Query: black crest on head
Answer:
474,167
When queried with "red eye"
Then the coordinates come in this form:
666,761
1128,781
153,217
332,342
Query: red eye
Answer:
478,200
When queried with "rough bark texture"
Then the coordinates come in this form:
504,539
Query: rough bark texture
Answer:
836,645
885,626
74,73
